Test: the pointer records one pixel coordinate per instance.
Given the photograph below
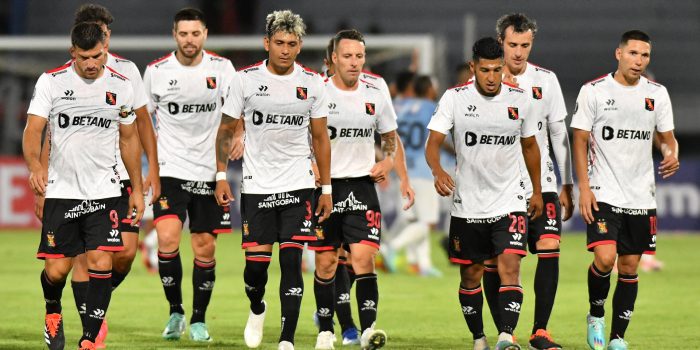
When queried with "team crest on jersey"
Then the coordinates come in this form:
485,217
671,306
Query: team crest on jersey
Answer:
302,93
50,240
369,108
245,229
537,92
211,82
513,113
111,98
319,233
649,104
163,201
455,245
602,227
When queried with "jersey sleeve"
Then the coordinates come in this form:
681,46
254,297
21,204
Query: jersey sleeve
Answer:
557,107
140,97
384,88
150,104
386,121
41,105
319,109
228,76
528,127
126,113
664,117
585,110
234,97
443,117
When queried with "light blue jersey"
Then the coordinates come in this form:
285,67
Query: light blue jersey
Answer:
413,118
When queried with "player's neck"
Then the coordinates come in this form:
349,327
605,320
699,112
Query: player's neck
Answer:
620,78
82,75
514,71
486,94
187,61
279,70
345,85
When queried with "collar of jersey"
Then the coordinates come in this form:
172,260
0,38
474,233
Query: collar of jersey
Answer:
282,77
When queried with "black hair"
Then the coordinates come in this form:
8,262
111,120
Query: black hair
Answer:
86,35
351,34
422,84
329,49
93,13
404,80
520,23
487,48
634,35
189,14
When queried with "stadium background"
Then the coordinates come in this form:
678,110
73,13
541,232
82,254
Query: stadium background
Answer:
576,40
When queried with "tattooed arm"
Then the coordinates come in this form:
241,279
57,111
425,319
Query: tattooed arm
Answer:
224,139
381,169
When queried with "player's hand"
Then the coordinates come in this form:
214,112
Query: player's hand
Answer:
566,199
444,185
223,193
317,174
237,149
380,170
586,204
38,180
534,209
136,207
39,206
324,208
510,79
152,181
407,194
669,166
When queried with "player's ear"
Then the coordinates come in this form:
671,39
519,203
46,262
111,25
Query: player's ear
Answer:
71,50
334,57
266,43
618,53
472,68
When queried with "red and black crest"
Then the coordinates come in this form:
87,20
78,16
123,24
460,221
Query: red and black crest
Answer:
211,82
513,113
301,93
111,98
369,108
537,92
649,104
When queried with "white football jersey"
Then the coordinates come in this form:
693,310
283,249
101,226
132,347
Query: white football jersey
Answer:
487,132
129,70
276,110
622,121
548,106
187,102
353,116
83,126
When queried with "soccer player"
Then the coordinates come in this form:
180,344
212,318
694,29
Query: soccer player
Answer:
516,33
284,108
186,89
614,122
491,122
87,107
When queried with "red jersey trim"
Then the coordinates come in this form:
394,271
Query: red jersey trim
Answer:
117,73
118,56
513,86
252,65
161,59
598,78
212,53
540,67
58,69
461,85
371,74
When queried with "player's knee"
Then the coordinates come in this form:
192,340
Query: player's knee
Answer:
56,272
99,260
627,265
203,249
168,241
326,264
122,262
471,275
363,262
605,262
547,244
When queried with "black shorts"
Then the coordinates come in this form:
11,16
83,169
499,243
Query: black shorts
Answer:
286,217
632,230
179,198
73,226
547,225
123,208
474,240
356,217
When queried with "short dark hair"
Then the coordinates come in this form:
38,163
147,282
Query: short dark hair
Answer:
422,84
351,34
487,48
404,80
86,35
330,48
520,23
634,35
189,14
93,13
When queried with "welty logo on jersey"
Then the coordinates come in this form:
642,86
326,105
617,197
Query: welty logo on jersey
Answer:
262,91
513,113
369,108
649,104
537,92
627,134
610,105
211,83
111,98
302,93
68,95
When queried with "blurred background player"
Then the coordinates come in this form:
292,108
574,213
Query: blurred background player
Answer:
88,107
488,119
277,206
612,143
186,90
516,34
464,73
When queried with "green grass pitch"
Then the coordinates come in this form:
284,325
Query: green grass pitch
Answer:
417,313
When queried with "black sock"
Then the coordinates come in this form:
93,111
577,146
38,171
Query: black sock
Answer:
623,304
203,278
472,301
170,270
546,281
80,296
117,278
342,296
52,293
97,302
510,300
291,288
324,292
255,279
598,288
367,294
492,282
